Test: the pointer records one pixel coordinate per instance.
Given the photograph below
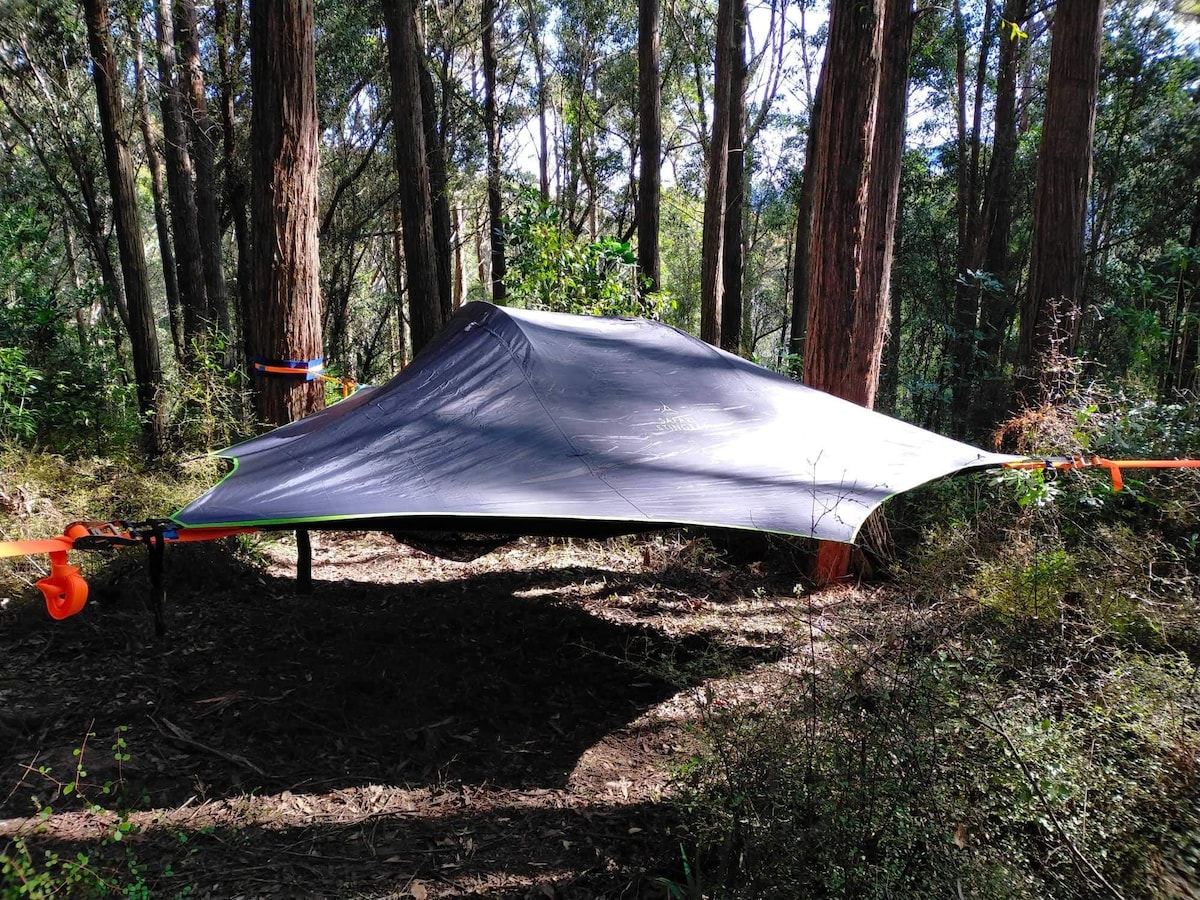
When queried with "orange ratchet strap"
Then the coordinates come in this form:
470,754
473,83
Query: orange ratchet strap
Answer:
1113,466
64,588
309,370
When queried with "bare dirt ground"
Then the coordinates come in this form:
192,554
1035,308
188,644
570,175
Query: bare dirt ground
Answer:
413,728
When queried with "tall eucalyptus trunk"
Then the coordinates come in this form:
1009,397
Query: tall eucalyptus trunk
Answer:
143,335
285,305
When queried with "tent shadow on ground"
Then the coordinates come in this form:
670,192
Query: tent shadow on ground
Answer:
494,678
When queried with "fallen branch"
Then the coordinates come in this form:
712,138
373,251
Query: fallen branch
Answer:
174,733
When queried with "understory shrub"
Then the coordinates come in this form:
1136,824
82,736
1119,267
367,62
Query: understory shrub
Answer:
1019,717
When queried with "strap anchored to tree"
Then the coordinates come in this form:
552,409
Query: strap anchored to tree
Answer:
1055,464
309,370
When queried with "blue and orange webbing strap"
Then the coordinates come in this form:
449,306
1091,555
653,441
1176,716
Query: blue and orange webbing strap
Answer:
309,370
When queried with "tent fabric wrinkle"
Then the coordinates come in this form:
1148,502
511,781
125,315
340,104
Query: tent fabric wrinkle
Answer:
517,421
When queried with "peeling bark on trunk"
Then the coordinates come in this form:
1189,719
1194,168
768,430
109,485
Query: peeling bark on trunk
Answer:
873,302
1060,196
842,181
286,305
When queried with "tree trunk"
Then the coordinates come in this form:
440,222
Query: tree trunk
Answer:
802,251
286,305
401,287
845,137
735,189
161,216
997,308
193,294
460,277
1060,195
650,130
439,188
491,129
712,240
966,291
1180,373
143,336
873,303
416,196
850,238
229,35
203,147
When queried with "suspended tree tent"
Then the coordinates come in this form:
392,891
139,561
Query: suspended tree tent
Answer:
518,422
515,422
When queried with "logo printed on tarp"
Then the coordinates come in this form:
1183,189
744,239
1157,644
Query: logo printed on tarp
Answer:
674,421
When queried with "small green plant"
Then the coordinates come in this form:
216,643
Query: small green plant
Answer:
692,886
18,384
108,869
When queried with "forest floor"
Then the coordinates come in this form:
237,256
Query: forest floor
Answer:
415,727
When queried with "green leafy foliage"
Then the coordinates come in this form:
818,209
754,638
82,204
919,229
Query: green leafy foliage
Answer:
550,268
108,868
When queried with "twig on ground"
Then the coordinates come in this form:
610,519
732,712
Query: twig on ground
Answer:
173,732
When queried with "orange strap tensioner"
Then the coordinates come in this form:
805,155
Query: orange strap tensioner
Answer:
309,370
64,588
1113,466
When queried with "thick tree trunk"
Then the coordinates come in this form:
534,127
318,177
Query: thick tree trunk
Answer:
203,148
189,258
713,237
491,128
1060,196
143,336
416,195
735,189
286,304
842,180
650,131
873,302
851,240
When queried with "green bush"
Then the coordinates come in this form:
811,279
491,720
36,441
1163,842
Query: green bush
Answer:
1016,715
553,269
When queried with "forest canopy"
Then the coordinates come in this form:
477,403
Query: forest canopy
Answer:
496,151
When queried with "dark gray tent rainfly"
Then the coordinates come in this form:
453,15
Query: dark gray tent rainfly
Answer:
519,422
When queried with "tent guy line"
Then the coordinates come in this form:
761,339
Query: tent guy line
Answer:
522,422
